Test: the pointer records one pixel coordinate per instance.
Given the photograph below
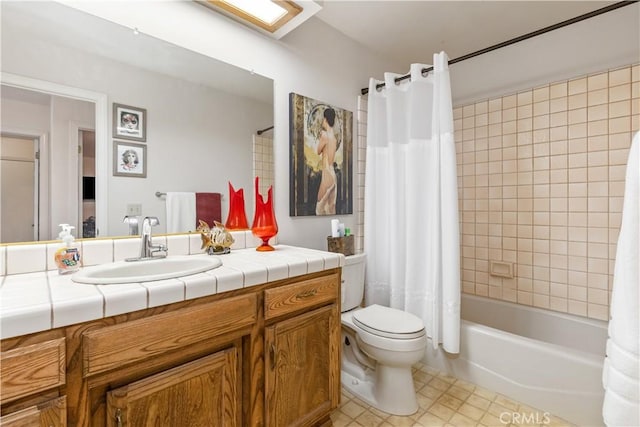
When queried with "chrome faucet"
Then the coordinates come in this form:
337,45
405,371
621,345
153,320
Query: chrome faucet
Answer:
133,224
147,249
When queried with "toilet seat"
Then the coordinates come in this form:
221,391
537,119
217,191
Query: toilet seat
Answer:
388,322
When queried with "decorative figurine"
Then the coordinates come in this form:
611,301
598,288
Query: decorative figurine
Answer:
237,219
264,221
216,240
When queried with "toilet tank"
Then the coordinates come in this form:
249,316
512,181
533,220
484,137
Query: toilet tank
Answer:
352,290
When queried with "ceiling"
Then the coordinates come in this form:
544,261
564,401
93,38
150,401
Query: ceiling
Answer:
405,32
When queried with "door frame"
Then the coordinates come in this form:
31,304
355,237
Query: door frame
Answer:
40,189
79,130
100,101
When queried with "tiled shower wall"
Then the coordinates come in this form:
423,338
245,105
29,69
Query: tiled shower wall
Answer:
263,162
361,147
540,185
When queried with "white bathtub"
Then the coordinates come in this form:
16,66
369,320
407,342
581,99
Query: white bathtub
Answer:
551,361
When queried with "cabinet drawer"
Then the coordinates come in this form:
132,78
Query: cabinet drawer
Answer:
50,414
114,346
31,369
301,295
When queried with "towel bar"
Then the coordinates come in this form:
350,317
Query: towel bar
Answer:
161,194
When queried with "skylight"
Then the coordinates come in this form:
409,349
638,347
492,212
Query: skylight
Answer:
269,15
264,10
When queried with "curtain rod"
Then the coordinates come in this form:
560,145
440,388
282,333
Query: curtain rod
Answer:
596,12
261,131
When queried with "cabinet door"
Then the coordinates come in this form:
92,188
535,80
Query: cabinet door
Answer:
201,393
50,414
303,368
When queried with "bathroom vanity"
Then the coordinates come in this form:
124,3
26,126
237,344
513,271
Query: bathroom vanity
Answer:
263,354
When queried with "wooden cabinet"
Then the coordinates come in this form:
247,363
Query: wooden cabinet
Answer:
52,413
31,369
180,368
302,380
32,374
267,355
204,392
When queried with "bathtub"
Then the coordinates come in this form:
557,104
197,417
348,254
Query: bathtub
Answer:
544,359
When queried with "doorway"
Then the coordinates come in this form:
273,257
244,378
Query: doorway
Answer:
87,191
20,188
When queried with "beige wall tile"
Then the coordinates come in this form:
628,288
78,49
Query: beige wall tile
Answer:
577,86
598,143
557,90
509,101
481,107
597,311
578,308
559,105
620,76
577,101
468,111
619,93
524,98
541,184
620,124
597,97
620,140
541,93
495,104
620,109
598,81
558,304
598,112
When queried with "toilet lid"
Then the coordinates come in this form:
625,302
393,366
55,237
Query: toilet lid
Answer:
388,322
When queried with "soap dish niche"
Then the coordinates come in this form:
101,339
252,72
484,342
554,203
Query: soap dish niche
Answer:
502,269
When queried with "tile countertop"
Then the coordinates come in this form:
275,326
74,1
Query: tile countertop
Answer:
34,302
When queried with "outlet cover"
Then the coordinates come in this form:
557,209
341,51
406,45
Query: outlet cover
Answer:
134,210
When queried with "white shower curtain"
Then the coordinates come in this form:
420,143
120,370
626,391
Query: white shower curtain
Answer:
411,201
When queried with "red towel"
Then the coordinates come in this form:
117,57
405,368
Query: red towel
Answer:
208,208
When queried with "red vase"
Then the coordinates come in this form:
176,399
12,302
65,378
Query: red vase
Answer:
237,219
264,221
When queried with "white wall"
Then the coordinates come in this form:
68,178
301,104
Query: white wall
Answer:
67,117
313,60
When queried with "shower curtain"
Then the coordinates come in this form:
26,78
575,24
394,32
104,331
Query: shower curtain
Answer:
411,201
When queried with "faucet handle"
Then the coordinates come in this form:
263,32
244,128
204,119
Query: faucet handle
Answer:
152,220
159,248
133,224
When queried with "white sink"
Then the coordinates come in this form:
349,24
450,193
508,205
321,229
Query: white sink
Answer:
145,271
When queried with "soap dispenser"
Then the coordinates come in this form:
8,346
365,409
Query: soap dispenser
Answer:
67,257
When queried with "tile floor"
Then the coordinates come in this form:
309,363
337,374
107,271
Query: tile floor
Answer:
445,401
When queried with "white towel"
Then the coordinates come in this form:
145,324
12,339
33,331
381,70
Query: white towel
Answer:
620,374
181,212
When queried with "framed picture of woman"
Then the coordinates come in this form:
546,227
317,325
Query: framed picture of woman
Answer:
321,141
129,159
129,123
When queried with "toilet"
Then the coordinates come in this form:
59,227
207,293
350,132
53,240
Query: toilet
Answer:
379,346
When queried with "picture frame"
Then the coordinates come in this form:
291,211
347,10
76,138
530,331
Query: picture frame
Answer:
319,186
129,123
129,159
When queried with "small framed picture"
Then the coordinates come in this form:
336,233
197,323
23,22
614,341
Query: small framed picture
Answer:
129,159
129,122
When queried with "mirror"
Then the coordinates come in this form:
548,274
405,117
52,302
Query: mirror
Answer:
68,69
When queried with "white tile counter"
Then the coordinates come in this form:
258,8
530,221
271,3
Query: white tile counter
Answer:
37,301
